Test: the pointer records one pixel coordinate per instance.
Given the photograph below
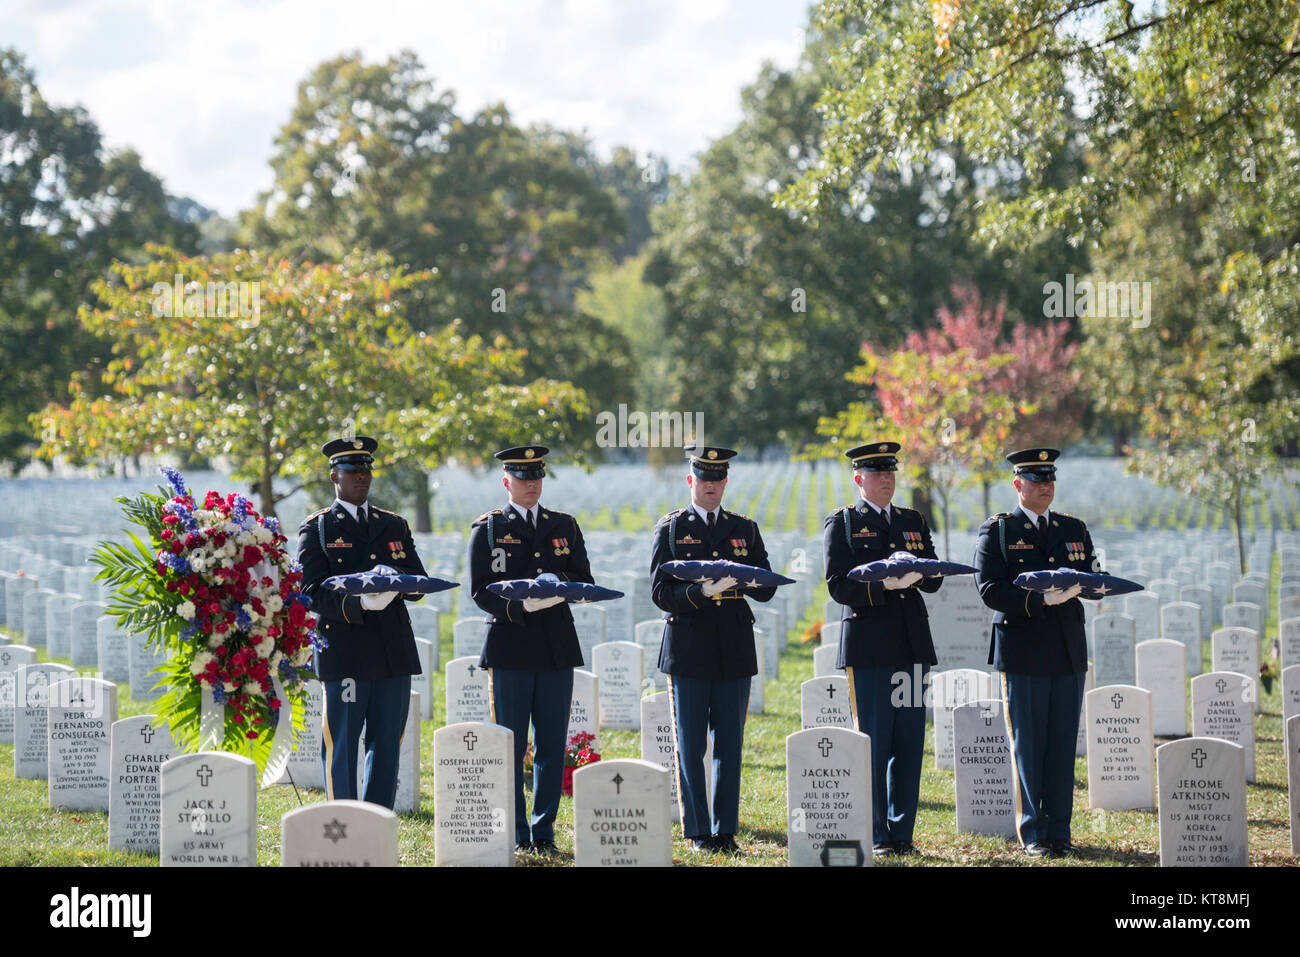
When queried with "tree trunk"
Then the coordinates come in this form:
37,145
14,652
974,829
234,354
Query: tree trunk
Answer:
1119,438
1241,541
923,502
986,487
423,511
266,494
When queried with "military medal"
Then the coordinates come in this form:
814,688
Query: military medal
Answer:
914,542
561,545
738,546
1075,550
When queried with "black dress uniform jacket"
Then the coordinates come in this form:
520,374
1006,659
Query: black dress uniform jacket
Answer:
710,638
360,644
1028,636
881,627
530,641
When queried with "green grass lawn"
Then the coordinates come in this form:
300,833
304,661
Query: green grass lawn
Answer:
36,835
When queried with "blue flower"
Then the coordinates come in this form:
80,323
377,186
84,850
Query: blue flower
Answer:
318,641
218,694
174,477
240,511
189,631
242,621
272,524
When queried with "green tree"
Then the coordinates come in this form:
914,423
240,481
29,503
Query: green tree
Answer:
67,209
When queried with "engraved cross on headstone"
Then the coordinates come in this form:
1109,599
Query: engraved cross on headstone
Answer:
959,688
825,745
204,774
1117,699
830,691
1199,756
5,658
469,739
147,733
618,783
471,671
987,715
1221,686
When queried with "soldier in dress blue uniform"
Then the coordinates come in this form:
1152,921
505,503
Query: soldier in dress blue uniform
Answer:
708,647
531,646
1039,645
884,638
370,654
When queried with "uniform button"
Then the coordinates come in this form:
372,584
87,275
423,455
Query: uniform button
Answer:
339,560
372,556
715,554
539,571
1050,559
892,545
537,554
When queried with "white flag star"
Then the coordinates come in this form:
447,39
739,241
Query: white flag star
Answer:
752,584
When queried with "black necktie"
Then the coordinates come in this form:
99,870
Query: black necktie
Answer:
884,517
712,521
532,526
1042,528
361,520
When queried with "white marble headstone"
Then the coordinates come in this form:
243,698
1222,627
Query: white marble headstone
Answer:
1162,670
1291,739
1202,802
622,815
306,767
824,661
589,621
422,683
81,713
58,624
983,778
1288,631
650,636
1120,756
1181,621
137,749
659,747
474,795
584,705
31,717
1236,649
828,792
468,691
1081,737
824,702
1114,644
619,672
339,834
757,690
1244,615
141,662
1223,706
1202,596
209,811
467,637
959,625
113,650
85,633
1144,608
948,690
12,657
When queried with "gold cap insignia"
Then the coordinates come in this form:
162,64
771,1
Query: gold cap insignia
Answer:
880,448
529,453
713,453
356,443
1042,456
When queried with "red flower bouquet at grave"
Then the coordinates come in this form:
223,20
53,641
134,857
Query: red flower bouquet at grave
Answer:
216,589
578,753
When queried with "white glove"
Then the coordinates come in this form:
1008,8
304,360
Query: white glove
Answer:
377,601
906,581
719,586
537,604
1050,598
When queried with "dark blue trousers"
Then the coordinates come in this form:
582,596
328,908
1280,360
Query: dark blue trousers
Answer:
702,708
897,743
1043,724
542,698
381,706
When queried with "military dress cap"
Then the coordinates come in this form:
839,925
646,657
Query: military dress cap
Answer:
1035,465
524,461
351,454
710,462
875,457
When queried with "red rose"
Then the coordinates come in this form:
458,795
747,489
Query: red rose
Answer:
221,651
165,534
206,626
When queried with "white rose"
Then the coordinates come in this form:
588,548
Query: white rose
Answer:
198,563
264,647
230,687
229,549
302,656
274,603
215,639
252,687
276,658
186,608
201,662
264,535
227,563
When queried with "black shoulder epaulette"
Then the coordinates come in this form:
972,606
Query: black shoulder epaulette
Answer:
743,517
1071,517
385,511
314,514
485,515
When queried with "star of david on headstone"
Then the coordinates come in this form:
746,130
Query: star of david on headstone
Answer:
618,783
988,717
204,774
825,746
335,830
1221,686
469,739
1199,756
147,733
1117,699
830,691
